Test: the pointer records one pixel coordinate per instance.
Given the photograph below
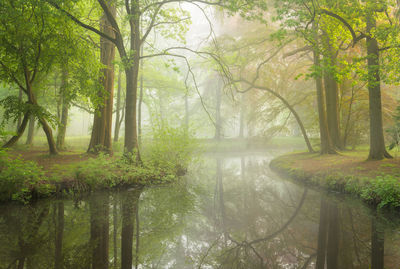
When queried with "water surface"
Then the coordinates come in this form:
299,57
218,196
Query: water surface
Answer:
228,212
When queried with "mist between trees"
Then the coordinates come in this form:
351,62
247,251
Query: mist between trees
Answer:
111,74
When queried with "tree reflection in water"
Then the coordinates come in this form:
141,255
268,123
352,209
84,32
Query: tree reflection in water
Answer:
229,213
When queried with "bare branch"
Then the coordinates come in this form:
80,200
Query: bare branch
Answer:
294,52
153,19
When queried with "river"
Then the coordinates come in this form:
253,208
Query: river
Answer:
230,211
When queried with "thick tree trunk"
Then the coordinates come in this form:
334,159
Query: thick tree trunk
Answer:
326,143
101,139
31,131
19,122
62,129
132,72
377,142
118,109
49,135
20,132
332,98
140,101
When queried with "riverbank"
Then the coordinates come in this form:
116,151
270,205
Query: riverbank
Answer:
34,174
375,182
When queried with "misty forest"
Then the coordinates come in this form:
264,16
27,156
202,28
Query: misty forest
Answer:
201,134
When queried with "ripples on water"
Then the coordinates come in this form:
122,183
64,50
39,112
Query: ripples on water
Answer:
228,212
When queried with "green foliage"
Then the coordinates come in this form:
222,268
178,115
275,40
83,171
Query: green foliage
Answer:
14,108
21,180
383,191
169,148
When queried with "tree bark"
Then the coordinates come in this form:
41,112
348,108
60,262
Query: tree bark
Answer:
377,149
140,101
62,129
19,121
49,135
332,97
132,72
326,143
101,139
20,132
31,131
118,109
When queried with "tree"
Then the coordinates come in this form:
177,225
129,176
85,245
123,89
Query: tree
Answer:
154,14
101,138
27,37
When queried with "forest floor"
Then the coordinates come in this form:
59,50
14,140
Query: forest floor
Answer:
351,163
376,182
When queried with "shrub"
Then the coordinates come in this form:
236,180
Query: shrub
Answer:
21,180
383,191
170,149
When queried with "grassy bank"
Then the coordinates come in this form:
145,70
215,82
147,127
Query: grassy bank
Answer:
375,182
34,174
31,173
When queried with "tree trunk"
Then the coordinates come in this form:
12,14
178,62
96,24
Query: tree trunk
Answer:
20,100
62,129
140,101
49,135
332,98
132,72
101,139
20,132
377,149
31,131
118,109
326,143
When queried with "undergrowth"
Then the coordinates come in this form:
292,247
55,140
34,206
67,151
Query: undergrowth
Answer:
381,191
21,180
